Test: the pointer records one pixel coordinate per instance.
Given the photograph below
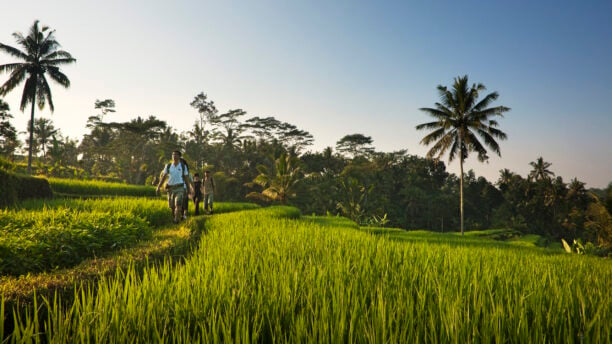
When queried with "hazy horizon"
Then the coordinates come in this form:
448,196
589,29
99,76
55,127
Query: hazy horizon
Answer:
344,67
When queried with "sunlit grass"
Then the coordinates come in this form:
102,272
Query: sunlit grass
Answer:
40,235
268,276
96,188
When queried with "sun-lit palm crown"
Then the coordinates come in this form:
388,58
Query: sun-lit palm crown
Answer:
42,56
461,120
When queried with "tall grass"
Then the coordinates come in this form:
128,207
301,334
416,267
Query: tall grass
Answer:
40,235
155,211
55,238
268,276
97,188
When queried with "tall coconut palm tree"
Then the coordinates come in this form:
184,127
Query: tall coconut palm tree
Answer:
540,169
460,120
41,56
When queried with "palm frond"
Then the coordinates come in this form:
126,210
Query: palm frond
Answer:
486,101
474,144
48,45
490,112
440,147
10,67
257,196
17,76
29,92
59,77
44,94
57,62
447,99
13,51
271,193
489,141
470,98
454,148
20,39
433,136
498,134
430,125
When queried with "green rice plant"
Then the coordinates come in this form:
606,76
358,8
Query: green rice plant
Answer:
155,211
52,238
226,207
96,188
41,235
267,275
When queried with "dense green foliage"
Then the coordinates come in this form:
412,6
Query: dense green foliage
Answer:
16,187
8,133
408,191
267,275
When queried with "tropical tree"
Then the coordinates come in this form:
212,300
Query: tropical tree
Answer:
228,128
354,198
63,151
8,133
41,56
44,131
460,120
196,140
355,145
137,140
540,170
279,185
270,129
206,108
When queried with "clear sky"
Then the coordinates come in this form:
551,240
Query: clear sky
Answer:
339,67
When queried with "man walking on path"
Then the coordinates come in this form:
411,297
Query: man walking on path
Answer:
177,174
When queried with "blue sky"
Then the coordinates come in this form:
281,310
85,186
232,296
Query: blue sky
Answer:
342,67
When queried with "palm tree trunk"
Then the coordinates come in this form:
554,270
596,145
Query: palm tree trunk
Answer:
461,191
31,134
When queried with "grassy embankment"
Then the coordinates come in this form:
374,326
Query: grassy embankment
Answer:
52,244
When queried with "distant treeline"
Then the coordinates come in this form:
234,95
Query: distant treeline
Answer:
268,160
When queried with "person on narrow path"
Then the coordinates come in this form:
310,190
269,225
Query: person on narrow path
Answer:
178,175
197,196
208,188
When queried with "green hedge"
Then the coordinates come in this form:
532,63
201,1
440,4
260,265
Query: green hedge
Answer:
16,187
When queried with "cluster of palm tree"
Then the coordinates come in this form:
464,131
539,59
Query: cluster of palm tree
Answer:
544,204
